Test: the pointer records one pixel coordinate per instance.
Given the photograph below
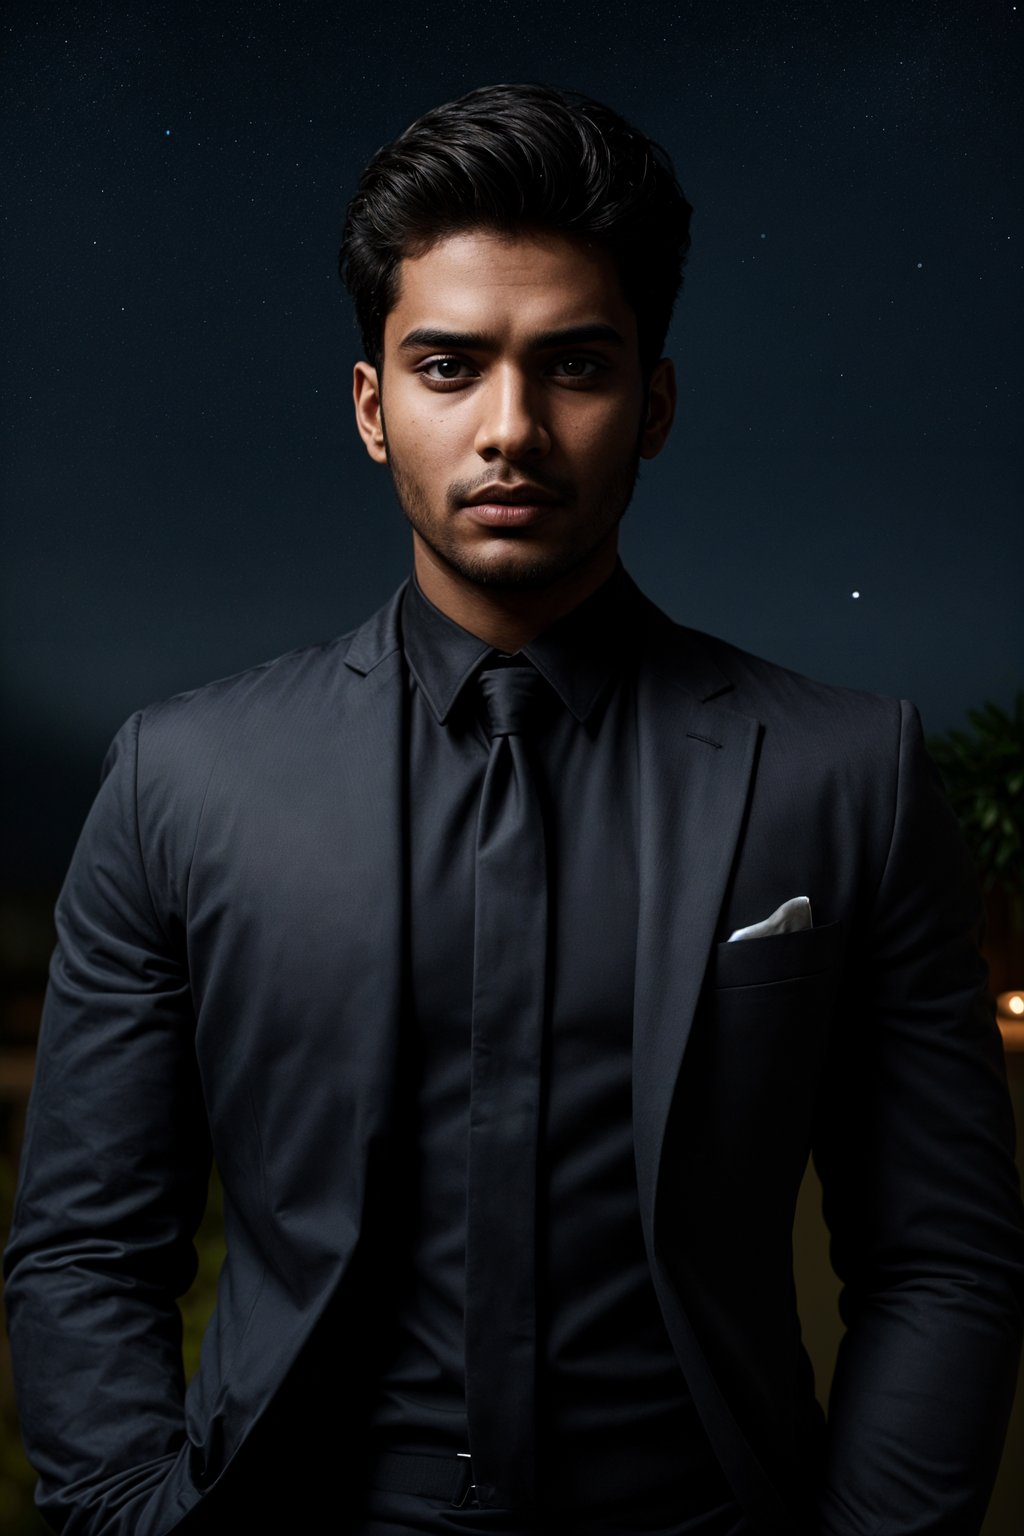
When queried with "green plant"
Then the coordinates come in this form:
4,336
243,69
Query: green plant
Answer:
983,770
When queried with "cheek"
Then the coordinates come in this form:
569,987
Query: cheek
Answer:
422,456
413,440
426,437
608,438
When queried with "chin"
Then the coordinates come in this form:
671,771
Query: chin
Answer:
514,570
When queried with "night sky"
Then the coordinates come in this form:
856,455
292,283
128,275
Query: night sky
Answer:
184,493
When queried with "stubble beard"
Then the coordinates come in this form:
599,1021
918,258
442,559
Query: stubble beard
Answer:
520,572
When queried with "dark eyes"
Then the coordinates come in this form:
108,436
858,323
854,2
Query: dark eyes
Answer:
578,367
442,368
456,370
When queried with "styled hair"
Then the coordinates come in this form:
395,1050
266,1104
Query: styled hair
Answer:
509,158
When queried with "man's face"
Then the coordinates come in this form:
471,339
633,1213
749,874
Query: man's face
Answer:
511,408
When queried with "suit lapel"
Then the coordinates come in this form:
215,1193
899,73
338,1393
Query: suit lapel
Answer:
349,1003
696,761
342,885
371,799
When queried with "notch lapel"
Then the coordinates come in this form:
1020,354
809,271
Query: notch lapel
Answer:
371,801
338,875
339,879
696,763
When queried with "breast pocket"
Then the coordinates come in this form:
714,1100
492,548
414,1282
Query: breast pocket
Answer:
756,1054
782,958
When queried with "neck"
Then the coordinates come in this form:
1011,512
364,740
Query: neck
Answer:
508,617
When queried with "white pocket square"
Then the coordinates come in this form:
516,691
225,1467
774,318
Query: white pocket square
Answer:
789,918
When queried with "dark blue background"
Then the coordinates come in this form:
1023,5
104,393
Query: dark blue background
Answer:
184,490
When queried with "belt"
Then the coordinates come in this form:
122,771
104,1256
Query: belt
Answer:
435,1477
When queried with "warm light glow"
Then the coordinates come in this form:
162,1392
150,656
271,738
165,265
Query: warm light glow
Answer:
1017,1003
1011,1005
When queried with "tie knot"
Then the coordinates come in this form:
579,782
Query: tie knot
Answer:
514,697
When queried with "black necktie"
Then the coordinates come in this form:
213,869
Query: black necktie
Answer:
509,971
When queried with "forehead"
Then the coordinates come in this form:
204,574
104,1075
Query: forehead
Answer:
512,285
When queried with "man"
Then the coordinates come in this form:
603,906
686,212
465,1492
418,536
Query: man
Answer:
513,952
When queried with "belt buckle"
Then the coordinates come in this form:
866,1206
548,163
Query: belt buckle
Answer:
470,1488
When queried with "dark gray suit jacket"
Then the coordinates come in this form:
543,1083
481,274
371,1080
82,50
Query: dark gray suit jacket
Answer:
229,972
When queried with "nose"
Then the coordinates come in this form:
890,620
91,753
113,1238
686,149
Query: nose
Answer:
511,423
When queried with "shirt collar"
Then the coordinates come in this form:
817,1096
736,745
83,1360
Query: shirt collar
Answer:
578,655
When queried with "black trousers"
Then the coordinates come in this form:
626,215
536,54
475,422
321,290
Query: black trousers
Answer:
306,1466
383,1513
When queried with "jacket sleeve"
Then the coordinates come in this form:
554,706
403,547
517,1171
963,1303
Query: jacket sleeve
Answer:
112,1186
915,1154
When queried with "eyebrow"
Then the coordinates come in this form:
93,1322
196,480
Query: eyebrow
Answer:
480,341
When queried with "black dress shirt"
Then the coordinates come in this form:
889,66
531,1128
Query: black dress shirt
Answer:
618,1433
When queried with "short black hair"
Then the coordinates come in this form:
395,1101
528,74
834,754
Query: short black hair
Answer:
509,158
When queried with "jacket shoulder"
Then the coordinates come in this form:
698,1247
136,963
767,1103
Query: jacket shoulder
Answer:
785,701
276,695
168,755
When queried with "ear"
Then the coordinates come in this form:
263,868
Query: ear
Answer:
369,422
661,409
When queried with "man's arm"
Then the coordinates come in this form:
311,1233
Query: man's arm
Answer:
915,1154
113,1182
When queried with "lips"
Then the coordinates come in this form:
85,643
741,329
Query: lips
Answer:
509,506
520,495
